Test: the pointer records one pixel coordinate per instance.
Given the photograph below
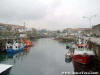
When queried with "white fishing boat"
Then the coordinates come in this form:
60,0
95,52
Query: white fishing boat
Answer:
14,47
5,69
83,55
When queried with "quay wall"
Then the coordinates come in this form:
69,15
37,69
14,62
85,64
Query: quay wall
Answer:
66,39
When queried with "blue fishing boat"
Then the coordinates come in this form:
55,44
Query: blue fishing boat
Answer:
14,47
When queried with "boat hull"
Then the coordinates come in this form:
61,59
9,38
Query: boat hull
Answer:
13,51
28,43
5,69
83,59
7,72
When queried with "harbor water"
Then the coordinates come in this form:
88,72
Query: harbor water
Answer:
46,57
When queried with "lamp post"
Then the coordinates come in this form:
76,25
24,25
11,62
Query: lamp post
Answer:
90,22
90,19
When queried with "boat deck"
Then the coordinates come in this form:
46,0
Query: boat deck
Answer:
80,51
4,67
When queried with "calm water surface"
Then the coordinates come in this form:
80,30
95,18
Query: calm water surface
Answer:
46,57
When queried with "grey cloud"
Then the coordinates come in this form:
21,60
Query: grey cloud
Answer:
22,9
50,14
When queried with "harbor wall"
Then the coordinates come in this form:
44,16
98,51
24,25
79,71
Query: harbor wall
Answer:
96,48
66,39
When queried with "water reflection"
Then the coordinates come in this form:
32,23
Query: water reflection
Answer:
93,66
68,60
15,57
2,57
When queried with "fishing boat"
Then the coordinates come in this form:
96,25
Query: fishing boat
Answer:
28,43
82,54
82,43
5,69
68,54
14,47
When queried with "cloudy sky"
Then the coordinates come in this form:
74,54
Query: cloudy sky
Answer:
50,14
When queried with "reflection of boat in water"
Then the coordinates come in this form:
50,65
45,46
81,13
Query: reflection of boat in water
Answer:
2,57
14,47
68,60
5,69
89,68
27,48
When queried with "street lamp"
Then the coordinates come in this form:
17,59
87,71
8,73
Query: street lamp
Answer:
90,19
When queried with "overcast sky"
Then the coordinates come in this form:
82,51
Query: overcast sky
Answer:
50,14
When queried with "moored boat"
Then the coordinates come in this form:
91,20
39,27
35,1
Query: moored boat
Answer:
68,54
14,47
28,43
5,69
82,43
83,55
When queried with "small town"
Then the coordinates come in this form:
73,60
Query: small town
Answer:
53,37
